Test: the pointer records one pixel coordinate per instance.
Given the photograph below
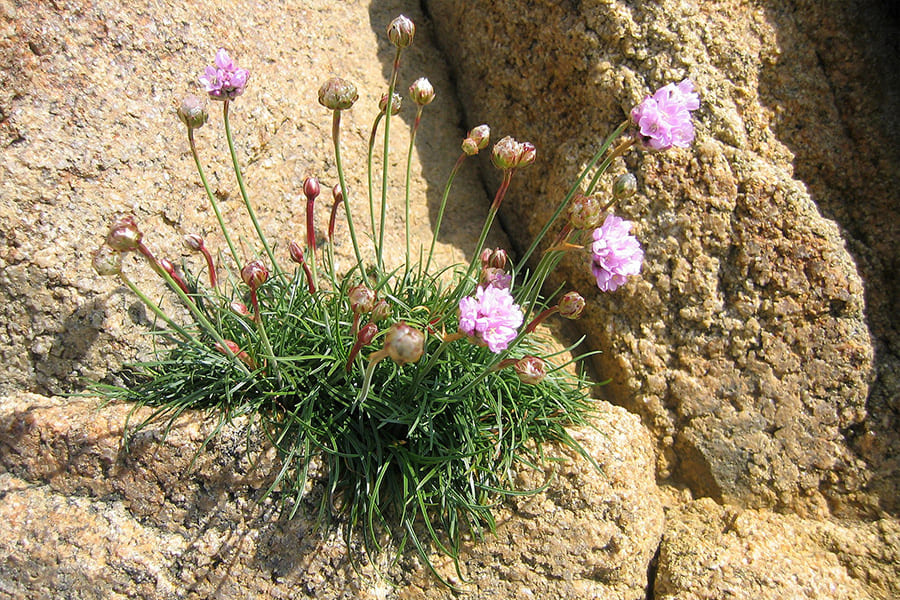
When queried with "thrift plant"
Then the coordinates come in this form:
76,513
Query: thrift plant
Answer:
421,391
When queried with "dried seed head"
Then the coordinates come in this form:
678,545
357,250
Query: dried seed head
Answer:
571,305
337,94
421,91
531,370
401,31
404,344
192,112
107,261
124,234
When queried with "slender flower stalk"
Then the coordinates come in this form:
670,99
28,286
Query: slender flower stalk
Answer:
392,85
195,242
422,94
254,275
443,206
244,196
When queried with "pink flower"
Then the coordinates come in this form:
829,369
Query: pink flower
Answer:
224,81
664,119
615,253
491,317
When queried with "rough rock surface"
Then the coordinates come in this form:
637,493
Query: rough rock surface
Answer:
88,131
84,519
744,344
711,551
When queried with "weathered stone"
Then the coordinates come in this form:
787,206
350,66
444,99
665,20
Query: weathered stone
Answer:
83,518
710,551
743,344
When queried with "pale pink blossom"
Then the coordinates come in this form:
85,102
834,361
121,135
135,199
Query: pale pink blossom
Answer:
224,80
491,317
664,119
615,253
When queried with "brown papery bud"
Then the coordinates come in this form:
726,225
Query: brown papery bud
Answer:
401,31
571,305
366,334
625,186
421,91
362,299
192,112
396,102
124,235
585,212
193,242
404,344
254,274
107,261
381,311
531,370
337,94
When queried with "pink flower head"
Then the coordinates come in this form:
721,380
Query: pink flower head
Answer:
491,317
664,119
224,81
616,254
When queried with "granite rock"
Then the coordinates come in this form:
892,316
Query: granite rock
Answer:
744,344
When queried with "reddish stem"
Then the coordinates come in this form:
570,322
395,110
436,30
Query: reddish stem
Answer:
540,319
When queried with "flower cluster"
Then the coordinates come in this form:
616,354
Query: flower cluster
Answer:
664,118
389,376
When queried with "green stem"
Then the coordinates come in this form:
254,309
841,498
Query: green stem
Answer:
572,191
386,158
212,197
246,198
440,217
369,172
270,359
336,136
158,311
412,141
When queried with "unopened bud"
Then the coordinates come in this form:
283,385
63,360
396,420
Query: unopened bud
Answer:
498,258
477,139
381,311
124,235
404,344
337,94
530,370
401,31
168,267
107,261
362,299
510,154
571,305
239,308
421,91
585,212
311,188
254,274
396,102
296,253
193,242
337,194
192,112
366,334
625,186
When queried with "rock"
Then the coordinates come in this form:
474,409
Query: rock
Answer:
711,551
744,344
169,519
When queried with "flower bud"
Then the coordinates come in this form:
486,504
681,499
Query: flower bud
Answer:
124,235
311,188
366,334
510,154
404,344
585,212
337,94
421,91
254,274
498,258
381,311
486,258
168,267
530,370
396,102
194,242
296,253
107,261
571,305
477,139
625,186
362,299
239,308
401,31
192,112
